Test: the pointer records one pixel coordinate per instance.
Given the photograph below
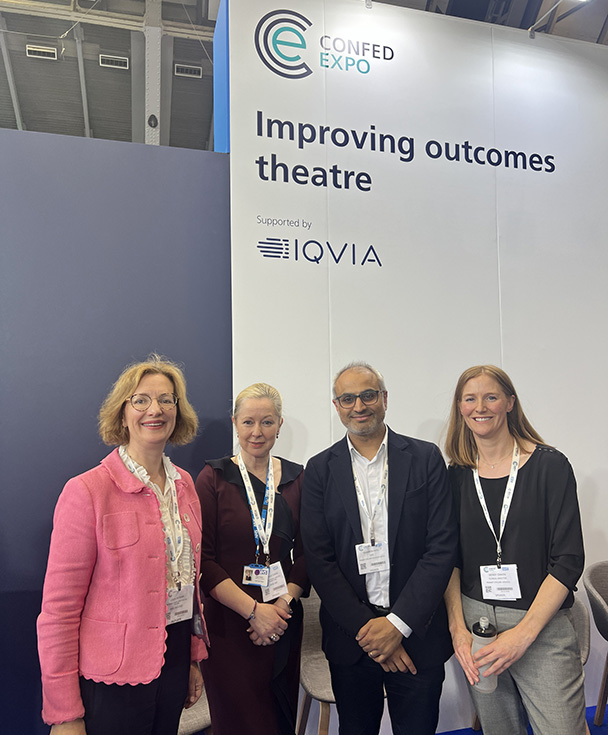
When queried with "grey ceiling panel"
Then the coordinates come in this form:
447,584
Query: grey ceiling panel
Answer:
7,115
109,92
49,92
191,111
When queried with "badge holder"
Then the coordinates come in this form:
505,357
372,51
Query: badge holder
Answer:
372,557
277,585
180,604
256,575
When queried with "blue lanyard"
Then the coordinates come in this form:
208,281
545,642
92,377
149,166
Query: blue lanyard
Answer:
262,525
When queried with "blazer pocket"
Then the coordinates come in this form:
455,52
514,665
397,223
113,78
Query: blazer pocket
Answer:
415,491
102,647
194,514
120,530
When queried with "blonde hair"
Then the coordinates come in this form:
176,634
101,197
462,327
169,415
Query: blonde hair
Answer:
111,427
259,390
460,446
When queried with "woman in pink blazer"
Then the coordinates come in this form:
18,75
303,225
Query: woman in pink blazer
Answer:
121,630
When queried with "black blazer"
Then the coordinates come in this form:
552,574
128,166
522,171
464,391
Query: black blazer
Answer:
422,546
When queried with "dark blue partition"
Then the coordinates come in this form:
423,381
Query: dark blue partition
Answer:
108,251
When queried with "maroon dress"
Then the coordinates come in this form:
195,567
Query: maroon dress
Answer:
252,690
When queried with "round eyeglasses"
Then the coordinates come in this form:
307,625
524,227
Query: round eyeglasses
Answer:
142,401
368,398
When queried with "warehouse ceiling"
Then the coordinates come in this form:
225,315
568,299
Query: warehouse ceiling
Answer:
98,68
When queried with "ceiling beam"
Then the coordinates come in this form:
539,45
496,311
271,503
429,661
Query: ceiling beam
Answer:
603,37
551,21
99,18
10,77
153,36
138,94
166,89
79,36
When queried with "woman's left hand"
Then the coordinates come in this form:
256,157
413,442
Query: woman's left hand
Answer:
508,648
195,686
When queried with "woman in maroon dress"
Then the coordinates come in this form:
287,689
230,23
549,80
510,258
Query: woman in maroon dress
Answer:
253,575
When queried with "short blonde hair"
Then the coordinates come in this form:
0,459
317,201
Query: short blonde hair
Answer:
460,446
111,427
259,390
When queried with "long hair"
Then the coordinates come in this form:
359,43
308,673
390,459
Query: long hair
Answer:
111,429
460,446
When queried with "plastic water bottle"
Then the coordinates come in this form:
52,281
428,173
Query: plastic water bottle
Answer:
483,633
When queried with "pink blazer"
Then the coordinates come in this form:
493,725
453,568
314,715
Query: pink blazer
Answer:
104,600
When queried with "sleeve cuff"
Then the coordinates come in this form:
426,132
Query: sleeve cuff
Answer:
402,627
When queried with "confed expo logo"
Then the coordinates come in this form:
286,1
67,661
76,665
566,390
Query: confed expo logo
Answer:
279,38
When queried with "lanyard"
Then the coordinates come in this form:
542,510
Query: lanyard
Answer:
381,495
262,526
506,501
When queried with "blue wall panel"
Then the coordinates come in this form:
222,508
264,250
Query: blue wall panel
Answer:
108,251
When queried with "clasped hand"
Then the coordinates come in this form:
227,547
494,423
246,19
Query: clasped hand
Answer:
269,623
379,638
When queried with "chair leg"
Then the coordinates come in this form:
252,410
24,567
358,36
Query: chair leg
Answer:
600,710
476,723
304,712
324,718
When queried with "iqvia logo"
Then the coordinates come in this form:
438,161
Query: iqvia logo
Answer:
279,41
314,251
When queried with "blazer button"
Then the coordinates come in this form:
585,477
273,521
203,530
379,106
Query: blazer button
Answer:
198,547
186,518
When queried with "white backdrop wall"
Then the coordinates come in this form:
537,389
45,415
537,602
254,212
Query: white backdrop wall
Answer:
423,265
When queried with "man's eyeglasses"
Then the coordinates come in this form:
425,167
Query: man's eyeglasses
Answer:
368,398
142,401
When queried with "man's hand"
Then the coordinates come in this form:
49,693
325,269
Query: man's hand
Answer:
379,639
399,661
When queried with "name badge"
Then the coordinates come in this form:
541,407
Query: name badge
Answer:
372,558
500,584
256,575
179,604
277,585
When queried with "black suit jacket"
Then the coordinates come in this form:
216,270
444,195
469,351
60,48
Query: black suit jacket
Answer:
422,546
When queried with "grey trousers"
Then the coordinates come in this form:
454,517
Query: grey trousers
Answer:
545,686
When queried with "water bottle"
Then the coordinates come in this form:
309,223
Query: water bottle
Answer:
483,633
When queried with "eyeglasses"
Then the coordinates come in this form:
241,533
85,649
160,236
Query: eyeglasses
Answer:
142,401
368,398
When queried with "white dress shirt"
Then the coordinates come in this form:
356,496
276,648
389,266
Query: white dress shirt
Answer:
369,476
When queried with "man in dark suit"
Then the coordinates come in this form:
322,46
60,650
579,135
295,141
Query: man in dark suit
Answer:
380,540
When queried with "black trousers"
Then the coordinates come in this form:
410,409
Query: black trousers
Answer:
413,700
142,709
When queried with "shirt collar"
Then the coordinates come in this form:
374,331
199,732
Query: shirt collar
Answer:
381,449
140,471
